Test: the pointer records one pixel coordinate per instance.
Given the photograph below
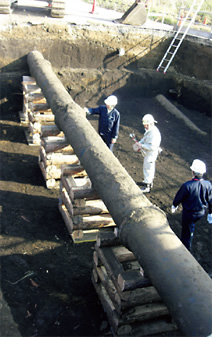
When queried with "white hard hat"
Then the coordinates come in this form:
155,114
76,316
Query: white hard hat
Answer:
148,119
198,166
111,100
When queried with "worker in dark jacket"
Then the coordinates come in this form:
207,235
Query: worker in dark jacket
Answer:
109,120
195,196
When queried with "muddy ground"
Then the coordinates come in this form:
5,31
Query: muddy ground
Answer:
57,297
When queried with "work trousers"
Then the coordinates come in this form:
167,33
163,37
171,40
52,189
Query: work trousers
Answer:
188,226
149,169
107,140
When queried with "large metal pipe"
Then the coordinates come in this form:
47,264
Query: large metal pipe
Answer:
184,286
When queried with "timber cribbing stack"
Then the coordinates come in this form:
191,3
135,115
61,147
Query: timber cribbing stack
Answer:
36,111
83,212
132,304
54,153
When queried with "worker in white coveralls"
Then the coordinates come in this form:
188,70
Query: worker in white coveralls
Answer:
149,146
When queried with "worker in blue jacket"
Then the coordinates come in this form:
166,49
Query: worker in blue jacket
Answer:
109,120
195,196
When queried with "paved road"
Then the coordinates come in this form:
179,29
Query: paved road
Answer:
77,12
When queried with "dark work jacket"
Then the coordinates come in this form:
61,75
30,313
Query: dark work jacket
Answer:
195,195
108,122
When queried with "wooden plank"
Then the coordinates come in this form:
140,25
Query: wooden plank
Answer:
34,127
80,236
67,202
97,261
23,116
107,239
124,280
123,254
52,172
53,144
47,112
28,80
42,154
59,159
88,193
100,275
135,297
52,184
108,258
153,327
33,140
30,88
94,221
72,184
80,181
43,171
143,313
41,118
91,207
50,130
122,327
73,170
67,184
137,315
39,107
132,279
49,172
78,192
35,98
66,217
125,300
107,304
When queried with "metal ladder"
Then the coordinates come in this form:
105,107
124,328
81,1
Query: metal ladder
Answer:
179,36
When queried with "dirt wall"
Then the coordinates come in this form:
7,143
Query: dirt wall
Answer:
98,47
87,59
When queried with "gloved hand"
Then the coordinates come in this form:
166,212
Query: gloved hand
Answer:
209,218
173,209
137,147
86,111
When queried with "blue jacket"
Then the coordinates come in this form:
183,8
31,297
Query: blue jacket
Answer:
108,121
195,195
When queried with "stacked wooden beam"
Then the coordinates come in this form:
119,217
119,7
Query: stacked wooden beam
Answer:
84,213
132,304
55,152
36,111
28,84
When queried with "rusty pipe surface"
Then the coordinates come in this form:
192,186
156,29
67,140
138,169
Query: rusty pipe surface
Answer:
182,283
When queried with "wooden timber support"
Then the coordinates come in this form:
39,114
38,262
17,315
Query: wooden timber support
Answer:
36,111
55,153
137,309
84,213
184,286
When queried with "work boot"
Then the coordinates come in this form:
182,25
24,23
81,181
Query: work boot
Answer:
146,189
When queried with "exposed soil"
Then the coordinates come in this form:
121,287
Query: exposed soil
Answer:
58,298
46,286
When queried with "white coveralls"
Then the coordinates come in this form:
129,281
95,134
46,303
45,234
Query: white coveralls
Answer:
151,148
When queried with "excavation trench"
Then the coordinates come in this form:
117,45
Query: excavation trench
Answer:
143,227
62,300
